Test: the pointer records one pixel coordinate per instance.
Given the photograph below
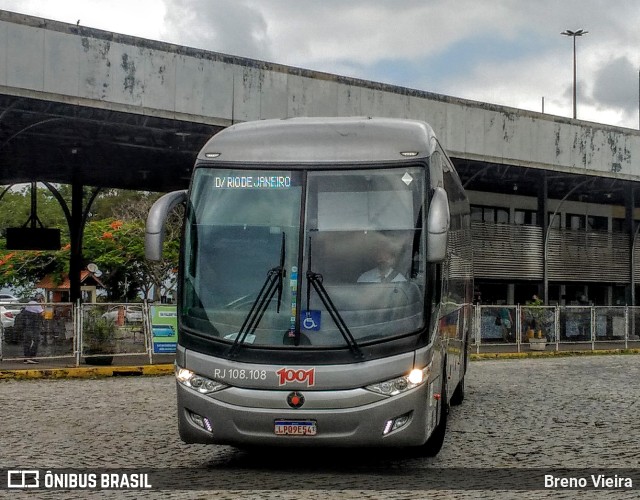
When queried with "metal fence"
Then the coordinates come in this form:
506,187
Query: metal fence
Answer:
25,334
97,333
89,333
108,330
561,328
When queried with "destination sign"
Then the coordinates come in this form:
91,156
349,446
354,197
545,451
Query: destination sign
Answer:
253,182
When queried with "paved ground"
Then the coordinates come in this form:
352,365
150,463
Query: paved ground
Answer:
537,414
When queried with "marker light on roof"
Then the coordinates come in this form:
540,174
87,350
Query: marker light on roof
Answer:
409,153
211,155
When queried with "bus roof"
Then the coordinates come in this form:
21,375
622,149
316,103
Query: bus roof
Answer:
321,140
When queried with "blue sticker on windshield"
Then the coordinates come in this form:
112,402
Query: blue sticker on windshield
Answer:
310,320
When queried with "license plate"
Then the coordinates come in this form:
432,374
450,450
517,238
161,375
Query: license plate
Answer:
296,428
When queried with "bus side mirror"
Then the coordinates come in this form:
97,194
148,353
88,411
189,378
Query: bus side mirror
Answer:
154,230
438,226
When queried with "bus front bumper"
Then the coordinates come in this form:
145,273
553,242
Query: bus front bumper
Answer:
203,419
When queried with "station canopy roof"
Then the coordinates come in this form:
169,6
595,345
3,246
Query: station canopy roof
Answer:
526,181
56,142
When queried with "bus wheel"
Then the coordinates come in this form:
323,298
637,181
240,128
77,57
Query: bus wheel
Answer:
436,440
458,395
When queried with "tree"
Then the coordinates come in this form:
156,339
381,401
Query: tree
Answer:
158,278
116,246
21,270
113,240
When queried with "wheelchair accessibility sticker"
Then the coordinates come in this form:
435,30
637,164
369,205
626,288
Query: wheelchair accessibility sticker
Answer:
310,320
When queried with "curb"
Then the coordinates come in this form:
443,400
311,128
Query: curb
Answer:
82,372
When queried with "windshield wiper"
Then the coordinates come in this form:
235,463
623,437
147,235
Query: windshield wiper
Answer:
316,279
272,284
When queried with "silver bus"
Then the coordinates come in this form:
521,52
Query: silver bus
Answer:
325,285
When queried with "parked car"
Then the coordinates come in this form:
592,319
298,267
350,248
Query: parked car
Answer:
8,298
132,314
8,316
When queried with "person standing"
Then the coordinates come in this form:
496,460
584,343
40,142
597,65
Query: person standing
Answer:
584,318
31,322
505,321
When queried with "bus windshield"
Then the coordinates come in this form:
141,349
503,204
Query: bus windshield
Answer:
325,258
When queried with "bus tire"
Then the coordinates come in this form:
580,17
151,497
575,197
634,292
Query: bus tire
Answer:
458,395
434,444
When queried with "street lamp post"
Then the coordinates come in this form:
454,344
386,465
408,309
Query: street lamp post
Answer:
574,34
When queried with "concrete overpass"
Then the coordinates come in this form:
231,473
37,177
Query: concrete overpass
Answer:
106,93
92,108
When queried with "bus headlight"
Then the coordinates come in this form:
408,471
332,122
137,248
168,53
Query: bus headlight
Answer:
399,385
196,382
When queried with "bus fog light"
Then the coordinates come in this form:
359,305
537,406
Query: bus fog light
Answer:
401,421
207,424
396,423
201,421
387,427
197,419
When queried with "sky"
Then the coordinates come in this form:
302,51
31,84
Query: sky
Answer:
506,52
